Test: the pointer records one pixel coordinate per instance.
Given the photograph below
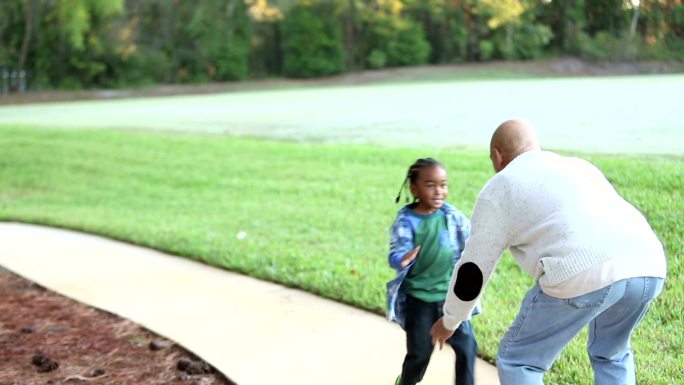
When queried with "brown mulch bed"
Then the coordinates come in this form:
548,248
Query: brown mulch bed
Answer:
46,338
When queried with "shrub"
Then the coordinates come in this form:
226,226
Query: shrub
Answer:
401,40
486,48
377,59
530,41
312,41
408,45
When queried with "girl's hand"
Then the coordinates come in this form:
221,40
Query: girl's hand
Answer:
410,256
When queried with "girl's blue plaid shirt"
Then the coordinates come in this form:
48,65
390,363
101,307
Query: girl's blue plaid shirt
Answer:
401,242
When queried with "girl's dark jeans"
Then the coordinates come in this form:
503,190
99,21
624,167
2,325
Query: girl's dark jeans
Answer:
420,316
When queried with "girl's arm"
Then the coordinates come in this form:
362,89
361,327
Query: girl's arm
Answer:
462,233
401,244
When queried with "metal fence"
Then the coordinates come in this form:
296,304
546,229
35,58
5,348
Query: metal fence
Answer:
14,81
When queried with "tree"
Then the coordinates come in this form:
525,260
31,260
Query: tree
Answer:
222,31
515,32
28,31
391,38
567,20
312,40
72,41
266,53
115,43
11,32
608,16
662,28
446,27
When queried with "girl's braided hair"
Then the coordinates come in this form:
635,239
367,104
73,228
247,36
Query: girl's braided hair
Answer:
413,173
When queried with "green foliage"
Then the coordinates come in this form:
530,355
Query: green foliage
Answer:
74,52
222,31
11,19
454,44
113,43
377,59
266,49
402,41
486,49
565,19
608,16
528,42
675,20
673,43
591,48
606,47
312,41
446,28
513,30
145,67
300,206
408,45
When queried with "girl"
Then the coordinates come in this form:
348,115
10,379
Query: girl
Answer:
427,239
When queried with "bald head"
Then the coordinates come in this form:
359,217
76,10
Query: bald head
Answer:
512,138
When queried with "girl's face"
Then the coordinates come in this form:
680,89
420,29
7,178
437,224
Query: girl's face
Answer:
431,189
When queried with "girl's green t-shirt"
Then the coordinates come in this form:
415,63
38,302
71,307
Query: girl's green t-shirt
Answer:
429,277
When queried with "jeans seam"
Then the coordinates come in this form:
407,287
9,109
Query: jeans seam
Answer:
594,305
519,326
605,295
647,289
591,337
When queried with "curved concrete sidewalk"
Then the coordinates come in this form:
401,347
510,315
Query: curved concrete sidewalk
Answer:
254,332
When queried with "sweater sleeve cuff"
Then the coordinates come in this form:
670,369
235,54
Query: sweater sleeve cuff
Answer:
451,323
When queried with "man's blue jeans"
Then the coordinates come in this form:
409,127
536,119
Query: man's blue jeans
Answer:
545,325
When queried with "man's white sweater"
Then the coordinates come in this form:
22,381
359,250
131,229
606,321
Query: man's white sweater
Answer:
564,224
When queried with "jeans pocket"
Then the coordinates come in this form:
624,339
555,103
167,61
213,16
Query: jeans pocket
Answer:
590,300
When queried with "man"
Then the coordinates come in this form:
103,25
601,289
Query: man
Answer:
595,259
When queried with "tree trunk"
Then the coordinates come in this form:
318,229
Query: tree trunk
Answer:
635,21
167,15
509,41
28,29
568,29
350,32
473,38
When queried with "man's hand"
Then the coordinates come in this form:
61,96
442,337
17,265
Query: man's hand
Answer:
410,256
440,333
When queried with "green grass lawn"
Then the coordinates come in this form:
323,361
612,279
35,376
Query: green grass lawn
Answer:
316,216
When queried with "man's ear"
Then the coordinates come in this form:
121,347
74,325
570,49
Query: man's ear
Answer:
497,159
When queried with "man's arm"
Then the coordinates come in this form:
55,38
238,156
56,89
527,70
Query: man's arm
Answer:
487,241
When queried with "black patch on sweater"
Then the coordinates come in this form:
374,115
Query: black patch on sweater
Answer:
468,282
